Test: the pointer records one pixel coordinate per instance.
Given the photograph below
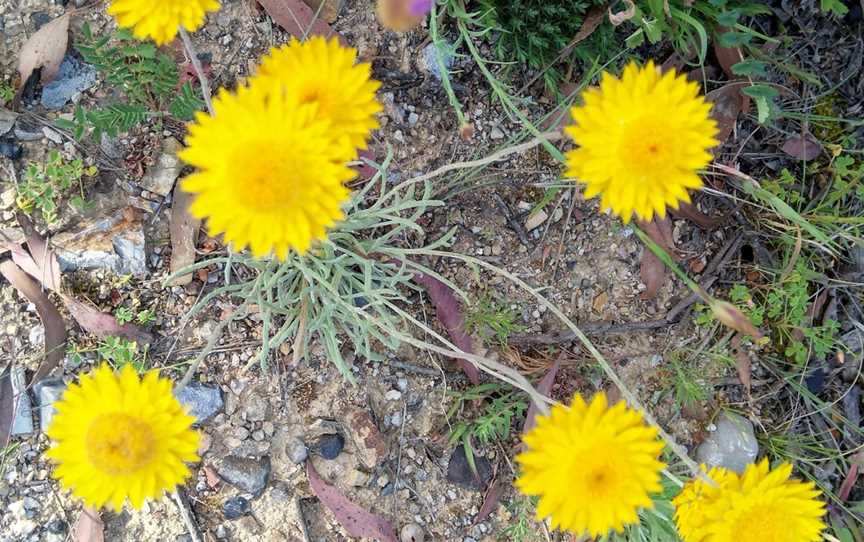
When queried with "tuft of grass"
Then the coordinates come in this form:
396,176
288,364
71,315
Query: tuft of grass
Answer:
490,319
503,405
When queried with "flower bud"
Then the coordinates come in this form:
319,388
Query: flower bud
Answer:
729,315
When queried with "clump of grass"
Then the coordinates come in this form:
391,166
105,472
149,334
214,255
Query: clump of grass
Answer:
503,405
535,32
490,319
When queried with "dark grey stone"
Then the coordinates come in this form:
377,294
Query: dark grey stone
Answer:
330,446
459,471
202,401
246,474
73,78
236,507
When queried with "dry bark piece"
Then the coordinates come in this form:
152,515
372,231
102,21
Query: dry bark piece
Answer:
184,234
45,49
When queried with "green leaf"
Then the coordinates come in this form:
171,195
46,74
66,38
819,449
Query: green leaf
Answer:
834,6
750,68
729,18
734,39
761,91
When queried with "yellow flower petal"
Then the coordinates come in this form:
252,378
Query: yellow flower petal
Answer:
159,20
117,437
761,505
641,140
325,72
592,466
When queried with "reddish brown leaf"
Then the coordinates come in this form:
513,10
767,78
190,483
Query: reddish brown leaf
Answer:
450,316
592,21
803,147
298,19
7,406
728,102
490,500
742,363
690,212
543,387
355,520
857,461
364,170
41,262
88,527
184,235
652,272
45,49
55,328
727,56
103,324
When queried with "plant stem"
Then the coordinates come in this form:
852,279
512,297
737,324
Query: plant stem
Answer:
199,70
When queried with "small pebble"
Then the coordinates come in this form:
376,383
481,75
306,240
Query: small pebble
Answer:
393,395
297,451
330,446
236,507
411,532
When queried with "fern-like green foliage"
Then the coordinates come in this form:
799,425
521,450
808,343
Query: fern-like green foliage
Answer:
148,79
534,32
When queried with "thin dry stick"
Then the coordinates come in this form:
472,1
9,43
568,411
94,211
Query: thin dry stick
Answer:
494,157
199,70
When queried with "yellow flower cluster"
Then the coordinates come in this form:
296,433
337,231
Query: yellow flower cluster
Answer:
160,20
641,140
117,437
760,505
272,160
594,466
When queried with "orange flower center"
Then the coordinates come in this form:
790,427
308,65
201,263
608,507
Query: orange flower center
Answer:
119,444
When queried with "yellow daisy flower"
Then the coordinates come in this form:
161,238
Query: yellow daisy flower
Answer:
322,71
641,140
160,19
270,173
761,505
592,466
116,436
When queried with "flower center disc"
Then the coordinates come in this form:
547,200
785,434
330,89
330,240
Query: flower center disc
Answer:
119,443
644,146
270,174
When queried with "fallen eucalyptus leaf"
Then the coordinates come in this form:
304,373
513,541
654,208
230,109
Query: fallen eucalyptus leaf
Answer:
356,520
45,49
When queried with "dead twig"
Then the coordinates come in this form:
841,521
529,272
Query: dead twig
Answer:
199,70
182,501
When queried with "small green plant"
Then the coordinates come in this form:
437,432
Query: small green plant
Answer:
488,318
148,78
502,405
6,93
535,32
124,315
44,184
116,350
145,317
522,527
689,389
